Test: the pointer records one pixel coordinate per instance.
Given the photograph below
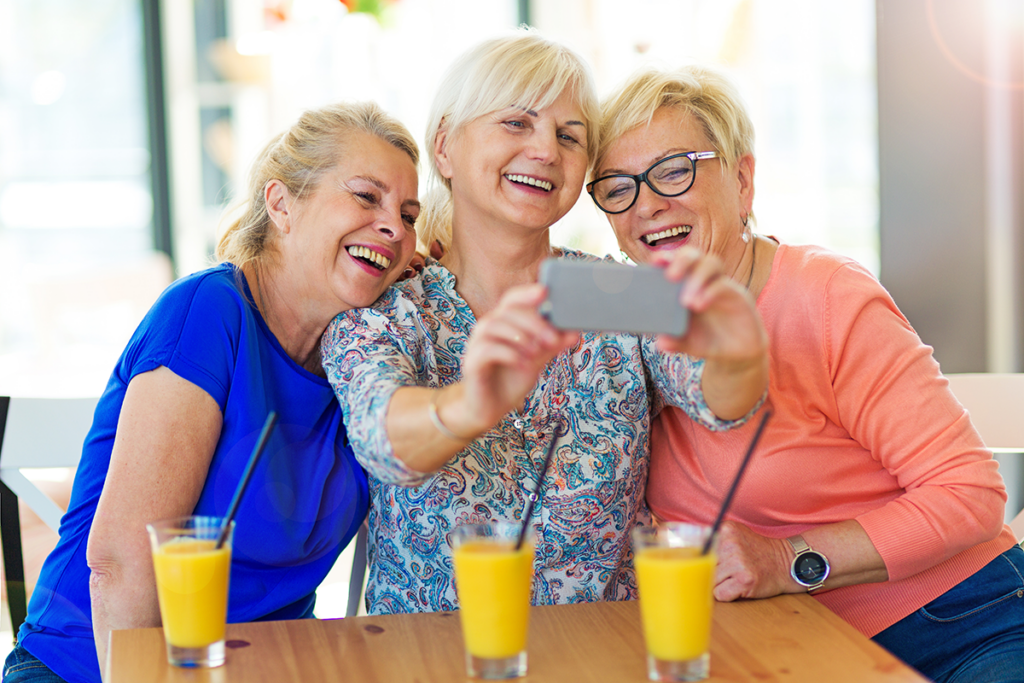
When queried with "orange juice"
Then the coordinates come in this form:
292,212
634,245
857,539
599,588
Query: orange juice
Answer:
676,600
493,582
192,586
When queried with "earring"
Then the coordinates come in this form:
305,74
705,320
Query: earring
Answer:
746,234
625,257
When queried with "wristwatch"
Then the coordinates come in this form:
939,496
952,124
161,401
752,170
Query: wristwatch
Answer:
810,568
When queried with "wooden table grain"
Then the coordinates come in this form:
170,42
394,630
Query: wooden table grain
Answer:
788,638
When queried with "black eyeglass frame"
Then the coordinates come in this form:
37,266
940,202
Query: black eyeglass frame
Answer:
694,157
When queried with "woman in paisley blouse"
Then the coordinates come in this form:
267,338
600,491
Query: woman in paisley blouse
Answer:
453,385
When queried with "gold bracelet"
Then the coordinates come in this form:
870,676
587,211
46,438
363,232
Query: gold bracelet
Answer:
436,419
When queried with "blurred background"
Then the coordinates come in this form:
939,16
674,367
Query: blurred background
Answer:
127,125
889,130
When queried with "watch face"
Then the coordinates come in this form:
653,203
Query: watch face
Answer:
810,568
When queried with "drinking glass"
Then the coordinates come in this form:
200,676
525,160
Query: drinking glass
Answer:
675,583
493,581
192,587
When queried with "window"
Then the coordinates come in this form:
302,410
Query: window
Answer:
75,203
75,200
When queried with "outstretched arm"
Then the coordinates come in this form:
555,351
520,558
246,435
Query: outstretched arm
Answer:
506,353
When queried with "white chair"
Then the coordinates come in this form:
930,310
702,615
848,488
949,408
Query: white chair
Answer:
357,579
34,433
995,402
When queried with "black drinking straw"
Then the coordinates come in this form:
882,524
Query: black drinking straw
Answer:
735,482
536,494
257,450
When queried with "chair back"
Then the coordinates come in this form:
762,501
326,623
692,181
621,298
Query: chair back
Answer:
995,402
40,433
34,433
357,577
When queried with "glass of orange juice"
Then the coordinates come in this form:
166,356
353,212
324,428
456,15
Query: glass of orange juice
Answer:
192,587
493,580
675,583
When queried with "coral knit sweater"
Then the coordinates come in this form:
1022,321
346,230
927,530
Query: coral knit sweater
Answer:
864,428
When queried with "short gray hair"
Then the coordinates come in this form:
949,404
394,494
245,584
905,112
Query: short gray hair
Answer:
523,69
706,94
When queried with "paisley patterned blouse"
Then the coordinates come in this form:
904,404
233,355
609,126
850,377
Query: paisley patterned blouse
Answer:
602,392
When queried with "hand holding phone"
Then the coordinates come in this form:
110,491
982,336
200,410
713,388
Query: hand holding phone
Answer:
601,296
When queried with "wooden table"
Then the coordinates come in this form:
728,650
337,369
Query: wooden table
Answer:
788,638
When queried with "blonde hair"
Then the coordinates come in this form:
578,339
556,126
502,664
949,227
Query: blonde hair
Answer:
523,69
298,158
704,93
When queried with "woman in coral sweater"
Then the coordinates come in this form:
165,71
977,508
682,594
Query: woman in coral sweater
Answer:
871,488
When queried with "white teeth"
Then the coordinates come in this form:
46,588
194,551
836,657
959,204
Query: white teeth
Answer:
527,180
370,255
671,232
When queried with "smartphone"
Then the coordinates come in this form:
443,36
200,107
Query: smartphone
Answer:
601,296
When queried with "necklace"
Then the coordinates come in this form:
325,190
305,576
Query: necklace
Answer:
753,260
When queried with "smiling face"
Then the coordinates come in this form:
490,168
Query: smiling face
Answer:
515,168
349,240
708,216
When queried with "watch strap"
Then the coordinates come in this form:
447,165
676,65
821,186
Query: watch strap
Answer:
798,544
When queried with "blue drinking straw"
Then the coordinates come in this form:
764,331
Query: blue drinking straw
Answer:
735,483
536,494
257,451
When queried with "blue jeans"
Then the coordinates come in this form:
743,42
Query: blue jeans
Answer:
22,667
972,633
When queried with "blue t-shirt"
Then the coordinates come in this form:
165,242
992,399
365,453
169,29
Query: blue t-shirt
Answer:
306,499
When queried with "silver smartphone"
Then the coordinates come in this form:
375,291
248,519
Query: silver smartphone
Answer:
610,297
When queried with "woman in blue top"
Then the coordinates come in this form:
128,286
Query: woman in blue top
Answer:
328,227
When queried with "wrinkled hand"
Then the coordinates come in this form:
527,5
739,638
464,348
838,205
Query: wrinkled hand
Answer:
507,351
724,322
751,565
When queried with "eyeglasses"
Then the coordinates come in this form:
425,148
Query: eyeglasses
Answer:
670,177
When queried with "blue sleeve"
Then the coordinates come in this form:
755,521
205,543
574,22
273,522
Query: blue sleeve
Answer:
193,329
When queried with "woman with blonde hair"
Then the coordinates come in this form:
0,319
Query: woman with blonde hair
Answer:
327,226
892,514
453,386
